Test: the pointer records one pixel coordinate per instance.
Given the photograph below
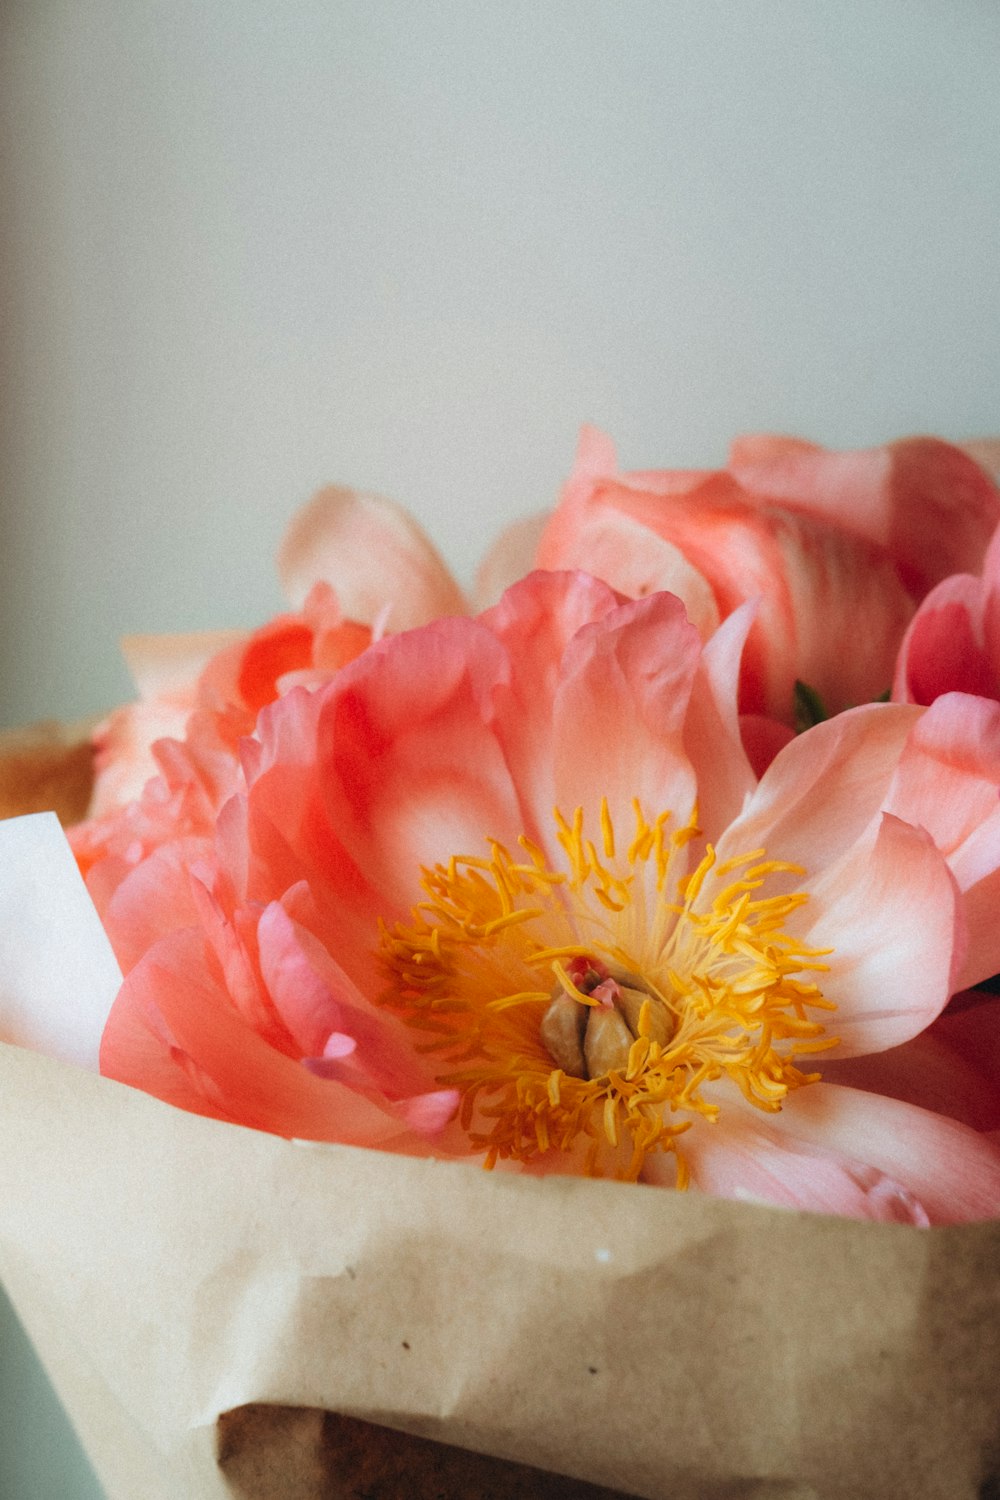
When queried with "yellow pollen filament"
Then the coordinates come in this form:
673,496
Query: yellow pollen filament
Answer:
603,1005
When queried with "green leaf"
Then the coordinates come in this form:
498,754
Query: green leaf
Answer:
809,709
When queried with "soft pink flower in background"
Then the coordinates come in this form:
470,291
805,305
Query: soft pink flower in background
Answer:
953,641
837,547
388,913
166,763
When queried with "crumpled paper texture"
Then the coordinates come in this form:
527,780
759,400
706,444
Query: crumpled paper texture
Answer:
175,1271
225,1314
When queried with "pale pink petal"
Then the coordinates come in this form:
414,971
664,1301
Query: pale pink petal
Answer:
823,790
889,911
510,557
595,454
747,1156
633,559
167,664
373,554
948,780
713,732
954,1172
618,715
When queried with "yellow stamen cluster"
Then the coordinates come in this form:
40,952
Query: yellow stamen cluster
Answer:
726,996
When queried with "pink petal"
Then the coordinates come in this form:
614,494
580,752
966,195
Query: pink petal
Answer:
948,780
928,503
373,553
618,715
410,767
633,559
714,734
510,557
172,1034
952,1170
888,910
748,1156
535,623
823,790
943,649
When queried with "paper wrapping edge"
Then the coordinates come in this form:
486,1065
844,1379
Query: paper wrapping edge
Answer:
657,1343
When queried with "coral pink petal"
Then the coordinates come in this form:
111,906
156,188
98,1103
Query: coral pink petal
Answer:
986,452
943,649
171,1034
373,553
888,910
762,739
385,1053
763,447
285,645
948,778
929,504
410,768
307,1006
535,623
618,715
153,899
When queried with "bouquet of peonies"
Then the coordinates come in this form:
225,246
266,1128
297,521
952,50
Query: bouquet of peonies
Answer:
664,887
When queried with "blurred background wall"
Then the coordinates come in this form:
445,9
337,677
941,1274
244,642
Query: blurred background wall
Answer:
247,248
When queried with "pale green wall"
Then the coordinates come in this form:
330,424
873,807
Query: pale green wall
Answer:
40,1457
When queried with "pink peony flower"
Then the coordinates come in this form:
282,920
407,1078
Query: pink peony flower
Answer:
508,887
953,641
166,763
836,547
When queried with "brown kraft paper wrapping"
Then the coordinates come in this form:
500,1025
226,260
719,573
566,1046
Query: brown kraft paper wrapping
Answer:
175,1271
224,1313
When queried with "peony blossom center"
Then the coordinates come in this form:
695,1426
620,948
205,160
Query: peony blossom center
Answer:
604,1006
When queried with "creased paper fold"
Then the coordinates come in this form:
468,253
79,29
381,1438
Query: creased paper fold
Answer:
174,1268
